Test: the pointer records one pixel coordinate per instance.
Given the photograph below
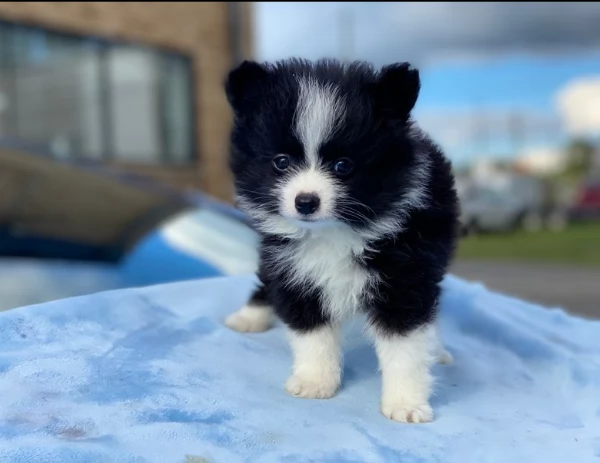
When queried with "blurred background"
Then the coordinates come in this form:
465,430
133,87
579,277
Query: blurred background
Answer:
114,135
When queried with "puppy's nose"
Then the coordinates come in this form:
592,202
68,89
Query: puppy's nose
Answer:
307,203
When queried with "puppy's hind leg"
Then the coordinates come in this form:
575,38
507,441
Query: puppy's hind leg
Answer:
255,317
442,356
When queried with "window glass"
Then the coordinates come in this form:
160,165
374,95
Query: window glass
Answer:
78,98
178,102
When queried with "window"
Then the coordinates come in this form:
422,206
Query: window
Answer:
80,98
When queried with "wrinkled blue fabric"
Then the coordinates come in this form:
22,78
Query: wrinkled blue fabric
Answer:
152,375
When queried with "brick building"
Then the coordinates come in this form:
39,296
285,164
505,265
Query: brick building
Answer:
136,85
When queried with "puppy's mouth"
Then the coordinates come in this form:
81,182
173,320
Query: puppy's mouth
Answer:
309,219
310,222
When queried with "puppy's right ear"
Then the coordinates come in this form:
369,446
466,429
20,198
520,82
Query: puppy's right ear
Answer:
243,85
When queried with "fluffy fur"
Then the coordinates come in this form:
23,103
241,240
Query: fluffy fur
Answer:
377,239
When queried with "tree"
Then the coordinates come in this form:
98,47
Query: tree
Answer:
580,157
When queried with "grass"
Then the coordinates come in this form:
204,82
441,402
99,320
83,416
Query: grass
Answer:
579,244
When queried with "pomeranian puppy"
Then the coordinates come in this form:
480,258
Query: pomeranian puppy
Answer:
357,212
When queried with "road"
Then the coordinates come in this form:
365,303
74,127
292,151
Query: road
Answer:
574,289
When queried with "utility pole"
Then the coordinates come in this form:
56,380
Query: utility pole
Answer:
484,134
516,131
346,31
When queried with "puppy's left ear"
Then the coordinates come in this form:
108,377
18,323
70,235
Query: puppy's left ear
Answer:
397,90
244,83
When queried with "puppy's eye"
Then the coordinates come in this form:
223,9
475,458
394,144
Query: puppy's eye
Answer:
343,167
281,162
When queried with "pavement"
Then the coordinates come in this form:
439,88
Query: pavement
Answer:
574,289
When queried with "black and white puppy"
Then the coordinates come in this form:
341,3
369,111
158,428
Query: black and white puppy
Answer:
357,212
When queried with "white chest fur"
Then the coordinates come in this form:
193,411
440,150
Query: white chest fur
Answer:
326,259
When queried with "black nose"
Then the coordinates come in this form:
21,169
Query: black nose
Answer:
307,203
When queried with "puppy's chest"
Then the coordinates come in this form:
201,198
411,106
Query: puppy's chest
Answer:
330,262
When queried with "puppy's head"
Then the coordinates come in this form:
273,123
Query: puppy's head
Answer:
318,144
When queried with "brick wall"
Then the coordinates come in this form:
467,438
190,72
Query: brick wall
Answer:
199,29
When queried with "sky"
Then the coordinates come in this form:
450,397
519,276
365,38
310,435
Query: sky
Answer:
498,79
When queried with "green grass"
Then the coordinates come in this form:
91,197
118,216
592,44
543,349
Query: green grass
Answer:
579,244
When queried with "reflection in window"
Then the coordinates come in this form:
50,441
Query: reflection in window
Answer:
178,123
85,99
134,103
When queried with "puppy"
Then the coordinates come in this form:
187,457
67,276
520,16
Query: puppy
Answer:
357,212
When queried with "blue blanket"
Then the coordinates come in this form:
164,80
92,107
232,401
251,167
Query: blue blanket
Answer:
151,375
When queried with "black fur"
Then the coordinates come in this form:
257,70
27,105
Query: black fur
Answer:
377,137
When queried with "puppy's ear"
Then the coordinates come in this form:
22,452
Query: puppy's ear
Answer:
397,90
243,84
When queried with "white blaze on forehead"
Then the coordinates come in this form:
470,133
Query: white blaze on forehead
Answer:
319,113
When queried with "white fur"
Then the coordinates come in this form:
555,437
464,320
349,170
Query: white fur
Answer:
326,258
405,363
316,372
251,319
319,113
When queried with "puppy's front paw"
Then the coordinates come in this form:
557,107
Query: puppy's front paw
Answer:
313,387
407,414
250,320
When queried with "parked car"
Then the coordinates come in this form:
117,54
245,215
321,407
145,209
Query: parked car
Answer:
517,203
586,204
204,242
72,229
